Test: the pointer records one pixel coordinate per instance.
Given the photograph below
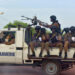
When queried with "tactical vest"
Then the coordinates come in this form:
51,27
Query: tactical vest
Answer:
58,30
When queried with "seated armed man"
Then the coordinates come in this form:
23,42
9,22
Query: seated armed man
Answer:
44,39
66,40
57,26
35,40
72,44
55,40
72,29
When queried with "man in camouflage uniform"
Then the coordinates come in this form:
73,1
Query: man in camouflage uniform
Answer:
72,44
35,40
55,40
55,37
44,39
67,40
54,23
72,29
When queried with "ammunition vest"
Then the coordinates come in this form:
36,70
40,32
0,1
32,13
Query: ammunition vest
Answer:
58,30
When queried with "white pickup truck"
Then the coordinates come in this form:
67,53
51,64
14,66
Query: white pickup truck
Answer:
18,53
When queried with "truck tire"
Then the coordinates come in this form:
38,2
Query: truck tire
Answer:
51,68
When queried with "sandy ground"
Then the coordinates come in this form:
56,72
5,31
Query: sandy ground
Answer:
24,70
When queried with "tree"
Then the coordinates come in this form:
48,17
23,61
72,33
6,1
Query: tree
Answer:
24,25
16,23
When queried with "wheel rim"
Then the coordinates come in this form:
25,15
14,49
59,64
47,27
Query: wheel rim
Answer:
51,68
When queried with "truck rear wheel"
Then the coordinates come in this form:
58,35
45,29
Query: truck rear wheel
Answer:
51,68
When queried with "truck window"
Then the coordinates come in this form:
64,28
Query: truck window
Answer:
7,38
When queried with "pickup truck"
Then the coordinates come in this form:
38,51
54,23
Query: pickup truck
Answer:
18,53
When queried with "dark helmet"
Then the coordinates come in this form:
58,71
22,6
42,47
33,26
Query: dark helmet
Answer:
43,30
37,28
72,29
35,17
66,30
53,17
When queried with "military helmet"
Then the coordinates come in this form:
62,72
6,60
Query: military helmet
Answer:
35,17
53,17
43,30
72,29
66,30
37,28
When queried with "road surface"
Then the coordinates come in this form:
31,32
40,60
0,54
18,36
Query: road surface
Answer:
24,70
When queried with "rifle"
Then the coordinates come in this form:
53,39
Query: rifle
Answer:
26,18
39,21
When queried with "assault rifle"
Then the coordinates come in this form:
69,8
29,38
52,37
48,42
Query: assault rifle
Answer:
26,18
38,21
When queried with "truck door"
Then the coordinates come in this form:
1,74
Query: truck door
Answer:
19,46
7,47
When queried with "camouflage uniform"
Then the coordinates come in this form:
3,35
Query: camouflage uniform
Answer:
69,39
72,44
35,40
66,41
54,23
45,39
56,37
56,32
56,41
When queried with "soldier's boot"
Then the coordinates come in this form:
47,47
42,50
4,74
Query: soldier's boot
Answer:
48,53
60,54
65,55
33,54
40,55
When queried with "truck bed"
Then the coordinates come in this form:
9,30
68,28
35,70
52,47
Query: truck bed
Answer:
53,57
54,52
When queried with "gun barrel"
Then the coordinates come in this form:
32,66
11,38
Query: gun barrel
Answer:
27,18
39,21
23,19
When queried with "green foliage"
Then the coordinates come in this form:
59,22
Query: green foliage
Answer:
6,26
24,25
16,23
33,31
48,31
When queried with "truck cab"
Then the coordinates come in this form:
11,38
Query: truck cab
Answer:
13,52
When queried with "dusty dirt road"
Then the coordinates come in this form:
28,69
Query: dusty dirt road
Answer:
24,70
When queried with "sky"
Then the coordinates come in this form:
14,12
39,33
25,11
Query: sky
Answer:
43,9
